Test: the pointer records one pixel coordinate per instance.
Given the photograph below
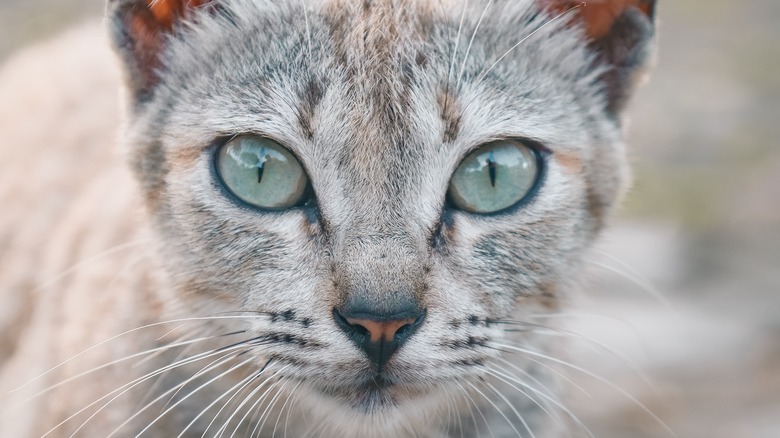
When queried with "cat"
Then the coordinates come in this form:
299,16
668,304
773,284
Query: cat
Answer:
345,219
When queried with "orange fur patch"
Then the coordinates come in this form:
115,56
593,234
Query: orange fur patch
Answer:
570,162
166,12
598,15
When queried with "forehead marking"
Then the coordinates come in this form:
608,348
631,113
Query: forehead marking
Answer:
310,98
450,113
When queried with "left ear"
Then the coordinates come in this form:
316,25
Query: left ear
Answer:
139,29
621,32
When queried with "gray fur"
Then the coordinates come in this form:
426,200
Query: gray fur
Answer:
370,96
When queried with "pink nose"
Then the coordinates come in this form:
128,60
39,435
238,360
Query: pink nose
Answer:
379,336
380,330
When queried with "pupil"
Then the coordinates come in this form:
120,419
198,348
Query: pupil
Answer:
261,167
491,162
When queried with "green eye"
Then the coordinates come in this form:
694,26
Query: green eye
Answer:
261,172
494,177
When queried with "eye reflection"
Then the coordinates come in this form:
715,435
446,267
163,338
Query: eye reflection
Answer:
494,177
262,173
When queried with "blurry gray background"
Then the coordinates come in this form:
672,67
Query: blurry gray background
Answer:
701,228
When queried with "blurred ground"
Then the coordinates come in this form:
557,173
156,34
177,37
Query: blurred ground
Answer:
701,227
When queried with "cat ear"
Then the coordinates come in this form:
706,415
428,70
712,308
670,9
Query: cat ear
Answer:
621,32
139,29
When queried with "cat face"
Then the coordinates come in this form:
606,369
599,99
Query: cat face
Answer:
379,291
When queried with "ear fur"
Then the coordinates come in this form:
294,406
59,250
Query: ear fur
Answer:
139,29
621,32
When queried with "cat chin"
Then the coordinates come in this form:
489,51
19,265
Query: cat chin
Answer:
361,410
374,397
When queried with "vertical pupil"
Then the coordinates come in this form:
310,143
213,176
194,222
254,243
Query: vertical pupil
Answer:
491,162
261,165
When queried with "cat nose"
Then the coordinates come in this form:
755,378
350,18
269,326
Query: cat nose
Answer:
378,335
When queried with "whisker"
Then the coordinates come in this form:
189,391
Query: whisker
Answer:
196,390
597,377
213,365
495,406
258,404
246,399
454,57
479,411
122,389
267,413
637,279
225,358
281,411
115,362
90,259
205,369
308,27
215,401
113,338
452,411
295,398
512,381
632,365
471,41
512,407
534,32
551,369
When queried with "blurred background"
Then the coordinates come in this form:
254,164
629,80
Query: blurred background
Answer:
682,307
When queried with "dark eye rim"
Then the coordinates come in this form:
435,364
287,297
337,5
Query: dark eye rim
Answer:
308,202
541,154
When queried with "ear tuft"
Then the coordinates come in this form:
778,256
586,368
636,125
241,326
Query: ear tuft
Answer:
598,16
621,33
166,12
139,29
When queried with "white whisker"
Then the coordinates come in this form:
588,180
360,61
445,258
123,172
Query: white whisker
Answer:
512,407
457,41
121,390
471,41
519,43
479,411
213,365
112,363
512,381
114,338
267,413
221,431
91,259
498,409
637,279
258,403
249,381
196,390
308,27
595,376
281,411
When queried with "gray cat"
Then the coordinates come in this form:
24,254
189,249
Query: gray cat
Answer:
357,215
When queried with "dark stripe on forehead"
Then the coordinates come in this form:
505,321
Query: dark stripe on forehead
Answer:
310,97
450,112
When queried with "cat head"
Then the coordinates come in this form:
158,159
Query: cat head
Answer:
397,190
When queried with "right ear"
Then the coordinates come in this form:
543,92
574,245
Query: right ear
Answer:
139,30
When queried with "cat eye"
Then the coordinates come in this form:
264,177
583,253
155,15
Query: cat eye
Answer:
494,177
262,173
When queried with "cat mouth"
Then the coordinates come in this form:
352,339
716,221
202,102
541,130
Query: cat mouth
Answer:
375,392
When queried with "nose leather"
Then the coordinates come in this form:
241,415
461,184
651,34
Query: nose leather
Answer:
378,336
381,330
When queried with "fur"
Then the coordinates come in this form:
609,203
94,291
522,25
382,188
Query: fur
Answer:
380,100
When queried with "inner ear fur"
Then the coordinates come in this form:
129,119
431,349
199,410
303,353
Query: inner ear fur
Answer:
139,29
621,33
599,16
166,12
